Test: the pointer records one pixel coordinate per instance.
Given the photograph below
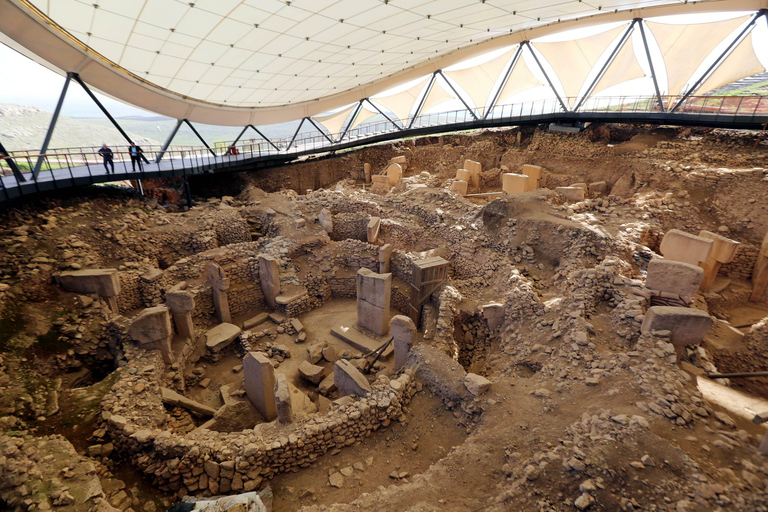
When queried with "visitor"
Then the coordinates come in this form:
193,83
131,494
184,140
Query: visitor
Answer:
136,156
106,153
233,150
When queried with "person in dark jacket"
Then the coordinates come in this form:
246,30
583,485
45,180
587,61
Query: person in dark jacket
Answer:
137,155
107,154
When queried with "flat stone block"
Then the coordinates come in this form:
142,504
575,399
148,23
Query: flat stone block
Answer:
677,277
532,171
172,398
681,246
687,326
256,320
221,336
360,341
102,281
460,186
572,194
151,325
476,384
514,183
349,380
463,175
311,372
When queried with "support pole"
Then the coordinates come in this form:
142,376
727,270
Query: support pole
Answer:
235,141
383,114
720,58
650,64
457,94
140,187
351,120
12,164
313,123
51,127
293,139
77,78
504,80
423,99
530,48
200,137
168,141
622,41
264,137
188,193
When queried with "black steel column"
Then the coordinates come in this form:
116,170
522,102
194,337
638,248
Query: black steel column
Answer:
293,139
720,58
504,80
423,99
312,121
77,78
12,164
608,62
352,120
530,48
199,137
188,193
650,63
459,95
168,141
51,126
383,114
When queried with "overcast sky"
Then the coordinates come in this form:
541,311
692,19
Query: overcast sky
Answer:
34,85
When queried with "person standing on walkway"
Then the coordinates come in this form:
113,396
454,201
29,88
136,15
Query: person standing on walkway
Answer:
106,153
136,156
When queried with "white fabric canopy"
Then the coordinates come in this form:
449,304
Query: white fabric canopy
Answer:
478,81
685,47
573,60
741,63
520,79
334,122
402,102
362,116
437,96
623,68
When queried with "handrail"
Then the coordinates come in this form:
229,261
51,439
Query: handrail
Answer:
61,164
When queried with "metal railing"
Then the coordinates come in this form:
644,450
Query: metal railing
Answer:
65,167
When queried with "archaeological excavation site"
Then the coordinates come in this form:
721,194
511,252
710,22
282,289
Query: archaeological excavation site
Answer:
517,319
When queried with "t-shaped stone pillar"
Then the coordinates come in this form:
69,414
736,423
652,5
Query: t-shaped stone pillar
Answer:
681,246
269,275
181,303
219,286
723,251
259,376
403,331
152,329
103,281
687,326
283,400
385,257
373,297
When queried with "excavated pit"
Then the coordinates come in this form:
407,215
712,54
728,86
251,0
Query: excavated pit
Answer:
544,296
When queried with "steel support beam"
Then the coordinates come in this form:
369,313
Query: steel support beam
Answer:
236,140
720,58
458,95
650,64
546,76
264,137
383,114
312,121
293,139
12,164
423,99
351,120
168,141
199,137
622,42
504,80
51,126
77,79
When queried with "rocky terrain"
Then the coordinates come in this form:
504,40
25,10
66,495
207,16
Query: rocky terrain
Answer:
531,384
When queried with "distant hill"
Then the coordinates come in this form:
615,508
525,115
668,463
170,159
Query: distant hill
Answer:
23,127
159,128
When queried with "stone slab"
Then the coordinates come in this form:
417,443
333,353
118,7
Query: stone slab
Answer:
171,397
394,172
255,321
460,186
349,380
514,183
102,281
681,246
312,373
532,171
372,229
259,377
723,249
221,336
671,276
687,326
572,194
151,325
359,341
